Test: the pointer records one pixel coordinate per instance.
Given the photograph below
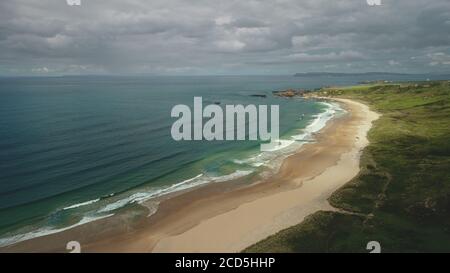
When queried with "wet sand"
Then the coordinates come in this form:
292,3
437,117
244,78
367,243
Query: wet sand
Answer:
229,217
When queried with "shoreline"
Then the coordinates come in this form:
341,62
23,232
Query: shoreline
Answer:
255,220
194,221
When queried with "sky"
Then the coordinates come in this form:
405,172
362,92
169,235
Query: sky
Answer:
227,37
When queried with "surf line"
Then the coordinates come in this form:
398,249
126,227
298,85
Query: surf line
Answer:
190,124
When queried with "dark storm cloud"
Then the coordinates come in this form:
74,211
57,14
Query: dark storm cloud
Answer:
222,37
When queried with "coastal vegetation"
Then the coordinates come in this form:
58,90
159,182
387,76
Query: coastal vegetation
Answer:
401,197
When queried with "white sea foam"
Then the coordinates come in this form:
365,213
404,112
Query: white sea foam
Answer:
288,147
319,122
122,202
143,196
232,176
280,145
47,231
255,161
152,207
196,181
82,204
137,197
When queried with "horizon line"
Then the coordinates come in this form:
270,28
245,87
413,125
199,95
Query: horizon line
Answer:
220,75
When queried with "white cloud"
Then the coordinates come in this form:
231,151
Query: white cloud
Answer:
439,58
230,46
40,70
332,56
159,36
393,63
223,20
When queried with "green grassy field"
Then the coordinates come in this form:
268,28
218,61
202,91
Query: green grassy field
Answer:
401,198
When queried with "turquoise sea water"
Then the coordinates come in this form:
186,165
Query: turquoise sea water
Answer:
74,149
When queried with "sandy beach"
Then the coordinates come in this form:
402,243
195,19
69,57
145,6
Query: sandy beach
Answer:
337,153
229,217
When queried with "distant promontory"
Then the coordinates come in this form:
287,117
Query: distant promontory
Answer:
331,74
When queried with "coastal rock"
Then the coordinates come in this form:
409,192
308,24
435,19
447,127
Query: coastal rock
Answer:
289,93
259,95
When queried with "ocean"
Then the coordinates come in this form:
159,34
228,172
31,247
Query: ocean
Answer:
76,149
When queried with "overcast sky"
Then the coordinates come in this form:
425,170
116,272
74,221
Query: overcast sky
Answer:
202,37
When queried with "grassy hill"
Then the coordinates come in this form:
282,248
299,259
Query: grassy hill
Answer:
401,198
